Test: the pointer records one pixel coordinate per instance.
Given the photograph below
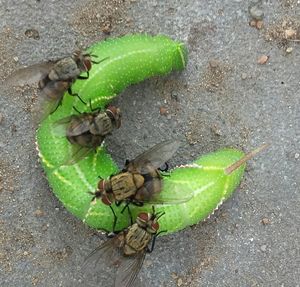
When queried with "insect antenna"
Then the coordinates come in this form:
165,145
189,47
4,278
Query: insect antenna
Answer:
157,215
96,56
248,156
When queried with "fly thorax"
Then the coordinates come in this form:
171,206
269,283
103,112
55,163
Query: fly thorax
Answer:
65,69
101,125
123,185
137,239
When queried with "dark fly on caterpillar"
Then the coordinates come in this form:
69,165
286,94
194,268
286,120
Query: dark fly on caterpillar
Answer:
87,131
127,249
54,78
140,181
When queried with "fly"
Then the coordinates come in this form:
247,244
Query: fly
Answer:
127,249
54,79
87,131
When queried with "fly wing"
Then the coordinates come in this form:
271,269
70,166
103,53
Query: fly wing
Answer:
49,99
59,128
71,126
129,269
78,153
154,157
152,192
110,252
29,75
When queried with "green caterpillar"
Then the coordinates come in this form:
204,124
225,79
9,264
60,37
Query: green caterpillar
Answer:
132,59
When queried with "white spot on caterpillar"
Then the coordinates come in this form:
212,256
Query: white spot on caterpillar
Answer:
88,212
42,158
226,186
219,204
216,168
199,190
194,165
63,179
83,179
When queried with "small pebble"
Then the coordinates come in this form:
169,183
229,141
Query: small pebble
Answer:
174,96
289,50
263,59
256,12
244,76
213,64
39,213
163,111
290,33
216,130
32,33
1,118
265,221
252,23
263,248
297,155
16,59
179,282
259,24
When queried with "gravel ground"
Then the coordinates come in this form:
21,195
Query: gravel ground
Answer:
241,88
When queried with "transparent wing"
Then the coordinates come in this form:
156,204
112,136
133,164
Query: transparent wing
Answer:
74,125
43,107
154,157
59,128
109,252
49,99
29,75
152,193
78,153
129,269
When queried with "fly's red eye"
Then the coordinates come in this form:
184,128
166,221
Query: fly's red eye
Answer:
106,200
87,64
101,185
155,226
143,216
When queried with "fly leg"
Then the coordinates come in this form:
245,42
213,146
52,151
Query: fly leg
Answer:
76,110
75,95
98,62
59,104
113,233
125,165
129,212
149,250
84,77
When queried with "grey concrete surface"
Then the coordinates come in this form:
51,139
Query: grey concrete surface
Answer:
223,98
